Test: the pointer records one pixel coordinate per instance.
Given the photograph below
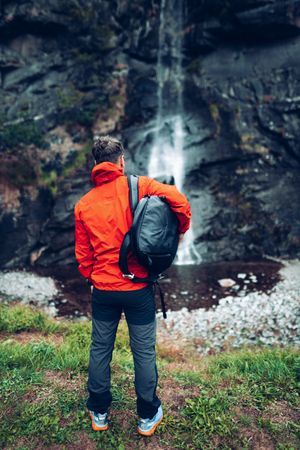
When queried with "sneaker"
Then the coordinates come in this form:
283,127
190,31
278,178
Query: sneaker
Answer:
146,427
99,421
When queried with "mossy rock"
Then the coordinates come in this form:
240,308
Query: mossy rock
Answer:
84,12
105,37
51,178
24,131
68,97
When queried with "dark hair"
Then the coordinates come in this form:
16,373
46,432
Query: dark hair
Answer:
107,148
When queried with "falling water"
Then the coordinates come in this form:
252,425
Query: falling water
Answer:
166,156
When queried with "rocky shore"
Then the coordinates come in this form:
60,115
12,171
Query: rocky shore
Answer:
28,288
246,315
266,318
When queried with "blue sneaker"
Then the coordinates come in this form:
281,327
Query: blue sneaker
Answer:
146,427
99,421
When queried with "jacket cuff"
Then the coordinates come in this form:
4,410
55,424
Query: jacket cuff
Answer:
183,229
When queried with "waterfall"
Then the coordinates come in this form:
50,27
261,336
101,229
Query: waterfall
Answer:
166,155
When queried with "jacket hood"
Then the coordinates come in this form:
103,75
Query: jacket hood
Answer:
105,172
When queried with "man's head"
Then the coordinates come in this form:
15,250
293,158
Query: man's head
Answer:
108,149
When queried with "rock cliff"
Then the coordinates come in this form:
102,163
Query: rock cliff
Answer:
73,69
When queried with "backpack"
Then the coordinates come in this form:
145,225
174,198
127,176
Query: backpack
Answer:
153,236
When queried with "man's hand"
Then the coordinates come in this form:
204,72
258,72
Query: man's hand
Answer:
92,288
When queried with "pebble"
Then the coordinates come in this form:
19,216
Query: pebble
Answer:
271,318
226,282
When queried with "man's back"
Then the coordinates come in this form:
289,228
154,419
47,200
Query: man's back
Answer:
102,218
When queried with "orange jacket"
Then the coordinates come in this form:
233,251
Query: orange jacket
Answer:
103,216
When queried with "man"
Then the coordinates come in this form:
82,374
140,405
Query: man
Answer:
102,218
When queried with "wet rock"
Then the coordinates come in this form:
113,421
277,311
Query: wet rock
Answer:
10,59
22,75
20,227
242,275
226,282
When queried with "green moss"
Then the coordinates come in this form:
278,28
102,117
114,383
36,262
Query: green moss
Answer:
49,180
215,114
105,37
69,97
23,131
83,13
82,116
83,57
113,110
72,108
249,145
78,161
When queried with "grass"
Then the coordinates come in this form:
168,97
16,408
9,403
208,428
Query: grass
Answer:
241,399
19,318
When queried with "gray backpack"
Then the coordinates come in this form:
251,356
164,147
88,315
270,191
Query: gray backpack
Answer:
153,236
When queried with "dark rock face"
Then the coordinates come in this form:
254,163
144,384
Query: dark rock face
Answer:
250,163
70,70
62,79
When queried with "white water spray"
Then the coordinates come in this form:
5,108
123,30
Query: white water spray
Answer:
166,156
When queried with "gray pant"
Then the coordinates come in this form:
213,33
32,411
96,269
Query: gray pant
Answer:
142,343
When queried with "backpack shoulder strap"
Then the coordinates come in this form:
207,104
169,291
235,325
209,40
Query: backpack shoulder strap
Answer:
133,183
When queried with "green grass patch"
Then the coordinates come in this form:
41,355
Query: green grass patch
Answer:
23,318
16,382
229,395
44,418
249,379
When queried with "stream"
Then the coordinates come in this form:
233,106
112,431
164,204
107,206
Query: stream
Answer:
193,287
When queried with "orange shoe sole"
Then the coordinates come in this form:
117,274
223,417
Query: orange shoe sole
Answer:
94,426
150,432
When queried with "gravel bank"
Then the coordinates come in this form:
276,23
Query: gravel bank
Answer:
257,317
29,288
271,317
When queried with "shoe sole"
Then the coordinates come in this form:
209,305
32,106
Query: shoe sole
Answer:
95,427
150,432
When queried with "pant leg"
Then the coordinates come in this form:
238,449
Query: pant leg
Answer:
142,343
98,385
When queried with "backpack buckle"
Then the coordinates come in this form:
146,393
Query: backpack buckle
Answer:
128,275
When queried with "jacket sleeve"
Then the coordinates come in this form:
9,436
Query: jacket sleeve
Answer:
84,253
177,201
